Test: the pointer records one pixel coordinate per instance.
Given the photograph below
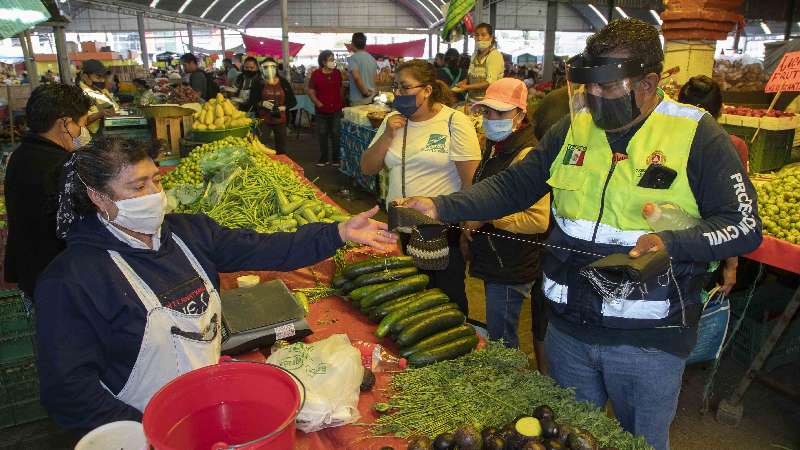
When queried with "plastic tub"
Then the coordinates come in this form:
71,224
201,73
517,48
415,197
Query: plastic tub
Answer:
122,435
237,404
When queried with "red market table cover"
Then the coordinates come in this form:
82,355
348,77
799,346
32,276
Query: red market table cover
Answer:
262,46
777,253
410,49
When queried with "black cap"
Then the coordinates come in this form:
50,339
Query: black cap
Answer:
93,66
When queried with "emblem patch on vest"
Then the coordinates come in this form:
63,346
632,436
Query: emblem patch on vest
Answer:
657,158
574,155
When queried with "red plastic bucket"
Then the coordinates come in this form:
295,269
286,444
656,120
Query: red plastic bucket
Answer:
237,404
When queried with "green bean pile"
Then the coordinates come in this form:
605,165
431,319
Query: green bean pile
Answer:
488,387
260,193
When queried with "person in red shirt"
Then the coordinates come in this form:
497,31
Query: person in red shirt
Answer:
325,88
703,92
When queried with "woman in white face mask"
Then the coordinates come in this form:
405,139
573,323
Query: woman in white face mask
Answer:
133,301
486,66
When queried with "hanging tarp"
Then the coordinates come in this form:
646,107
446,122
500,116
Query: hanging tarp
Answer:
410,49
262,46
20,15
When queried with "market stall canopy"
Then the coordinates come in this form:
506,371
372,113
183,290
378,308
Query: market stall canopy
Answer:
410,49
166,56
268,47
20,15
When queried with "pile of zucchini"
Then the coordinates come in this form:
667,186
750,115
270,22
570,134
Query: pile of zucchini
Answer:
424,323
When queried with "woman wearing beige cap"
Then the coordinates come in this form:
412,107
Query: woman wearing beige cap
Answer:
503,251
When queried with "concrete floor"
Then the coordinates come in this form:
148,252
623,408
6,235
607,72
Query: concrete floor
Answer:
770,420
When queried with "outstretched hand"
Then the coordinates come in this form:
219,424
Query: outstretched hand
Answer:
363,230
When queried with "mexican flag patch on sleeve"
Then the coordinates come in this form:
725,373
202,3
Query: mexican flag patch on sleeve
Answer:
574,155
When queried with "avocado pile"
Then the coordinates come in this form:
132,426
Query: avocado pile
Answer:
540,431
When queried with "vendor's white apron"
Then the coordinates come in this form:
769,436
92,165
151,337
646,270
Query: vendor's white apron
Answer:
164,355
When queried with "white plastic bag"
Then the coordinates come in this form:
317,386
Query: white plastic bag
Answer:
331,371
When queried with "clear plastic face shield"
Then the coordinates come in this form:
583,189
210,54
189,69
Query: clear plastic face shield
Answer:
269,70
604,87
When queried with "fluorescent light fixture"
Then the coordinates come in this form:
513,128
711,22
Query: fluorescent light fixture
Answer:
599,14
214,3
656,16
619,10
154,3
238,4
765,28
252,10
183,7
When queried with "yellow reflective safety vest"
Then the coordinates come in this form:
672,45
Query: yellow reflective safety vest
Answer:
597,206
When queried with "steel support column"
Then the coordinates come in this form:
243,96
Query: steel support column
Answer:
285,36
191,37
143,41
64,70
550,40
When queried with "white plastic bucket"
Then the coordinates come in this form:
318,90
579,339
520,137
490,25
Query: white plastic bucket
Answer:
122,435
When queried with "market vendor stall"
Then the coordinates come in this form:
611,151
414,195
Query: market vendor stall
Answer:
357,133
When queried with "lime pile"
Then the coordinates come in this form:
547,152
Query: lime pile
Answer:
779,204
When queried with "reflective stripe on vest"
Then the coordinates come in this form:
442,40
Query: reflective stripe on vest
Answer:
553,291
606,234
636,309
582,167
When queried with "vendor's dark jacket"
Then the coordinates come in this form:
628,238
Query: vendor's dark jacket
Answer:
500,256
90,322
31,191
254,99
718,182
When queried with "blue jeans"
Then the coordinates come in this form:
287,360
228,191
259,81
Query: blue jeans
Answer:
503,302
642,383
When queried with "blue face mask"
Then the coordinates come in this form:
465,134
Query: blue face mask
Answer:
499,129
406,104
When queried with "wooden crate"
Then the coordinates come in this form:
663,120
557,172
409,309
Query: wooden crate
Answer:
171,130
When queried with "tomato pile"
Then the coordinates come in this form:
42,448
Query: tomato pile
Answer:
751,112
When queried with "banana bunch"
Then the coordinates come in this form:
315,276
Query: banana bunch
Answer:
256,144
219,114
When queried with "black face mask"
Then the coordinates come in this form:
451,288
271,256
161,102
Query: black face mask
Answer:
99,84
612,113
250,73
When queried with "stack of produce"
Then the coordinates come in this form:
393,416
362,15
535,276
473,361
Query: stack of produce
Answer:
779,204
219,114
259,193
182,94
444,405
755,112
424,323
736,76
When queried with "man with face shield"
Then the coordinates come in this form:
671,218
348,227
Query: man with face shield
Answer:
277,98
623,145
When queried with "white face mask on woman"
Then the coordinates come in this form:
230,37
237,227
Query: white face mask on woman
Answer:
483,45
143,214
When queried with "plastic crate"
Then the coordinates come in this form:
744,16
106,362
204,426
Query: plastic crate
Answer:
770,151
19,393
22,412
17,328
752,335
